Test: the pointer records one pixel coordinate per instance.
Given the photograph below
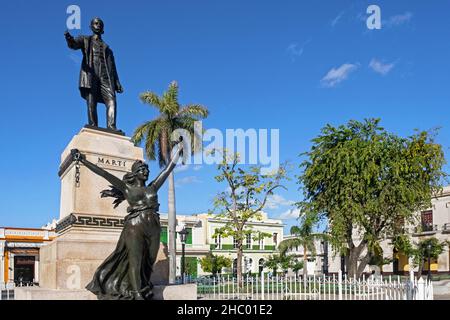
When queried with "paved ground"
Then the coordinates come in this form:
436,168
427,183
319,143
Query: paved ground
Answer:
441,290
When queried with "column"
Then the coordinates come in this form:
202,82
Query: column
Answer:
36,269
2,263
11,267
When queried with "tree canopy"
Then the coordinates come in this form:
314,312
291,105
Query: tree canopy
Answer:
243,200
364,180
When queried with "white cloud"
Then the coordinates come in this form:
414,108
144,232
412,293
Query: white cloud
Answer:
380,67
290,214
335,21
186,180
398,19
275,201
181,168
295,50
336,76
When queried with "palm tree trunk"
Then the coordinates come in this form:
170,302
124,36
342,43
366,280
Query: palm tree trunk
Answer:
172,217
305,261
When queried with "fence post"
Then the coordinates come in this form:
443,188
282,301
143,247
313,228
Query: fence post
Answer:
340,285
421,289
430,291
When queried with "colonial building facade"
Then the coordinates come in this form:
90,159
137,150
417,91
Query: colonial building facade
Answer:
200,241
19,253
433,222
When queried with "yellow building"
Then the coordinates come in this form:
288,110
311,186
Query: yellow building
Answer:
19,253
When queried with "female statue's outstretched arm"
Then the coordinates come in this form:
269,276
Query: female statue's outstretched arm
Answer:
116,182
161,178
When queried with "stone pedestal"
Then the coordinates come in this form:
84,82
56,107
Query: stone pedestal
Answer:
173,292
69,261
89,227
112,152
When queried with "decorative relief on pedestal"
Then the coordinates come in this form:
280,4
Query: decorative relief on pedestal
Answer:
89,221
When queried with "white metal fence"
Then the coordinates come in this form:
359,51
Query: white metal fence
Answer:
336,287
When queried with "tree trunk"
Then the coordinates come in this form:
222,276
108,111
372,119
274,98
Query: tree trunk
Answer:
239,262
172,217
419,272
352,260
362,265
305,262
352,264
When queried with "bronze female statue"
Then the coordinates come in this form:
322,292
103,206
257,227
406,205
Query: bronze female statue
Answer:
125,274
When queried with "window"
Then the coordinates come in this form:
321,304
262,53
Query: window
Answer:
261,244
189,236
427,220
218,241
163,236
275,239
248,241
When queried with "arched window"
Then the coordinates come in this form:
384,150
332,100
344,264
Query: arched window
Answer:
249,265
261,265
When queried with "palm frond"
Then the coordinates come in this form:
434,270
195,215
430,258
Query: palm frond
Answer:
287,244
153,99
170,100
139,132
193,110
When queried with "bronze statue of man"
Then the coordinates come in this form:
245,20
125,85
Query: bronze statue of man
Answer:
99,81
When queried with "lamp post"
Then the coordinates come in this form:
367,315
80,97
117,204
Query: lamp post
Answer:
183,234
429,261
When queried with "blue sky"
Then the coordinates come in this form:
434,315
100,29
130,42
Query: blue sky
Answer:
289,65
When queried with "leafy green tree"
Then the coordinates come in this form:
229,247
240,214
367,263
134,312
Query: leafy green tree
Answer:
156,135
243,200
285,262
419,251
297,265
363,180
214,263
304,237
272,263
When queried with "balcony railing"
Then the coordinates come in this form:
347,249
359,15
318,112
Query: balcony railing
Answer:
426,229
230,247
446,228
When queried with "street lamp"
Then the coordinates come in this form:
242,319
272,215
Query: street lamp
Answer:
183,234
429,261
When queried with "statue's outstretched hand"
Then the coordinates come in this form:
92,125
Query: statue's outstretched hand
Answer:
67,35
76,155
119,88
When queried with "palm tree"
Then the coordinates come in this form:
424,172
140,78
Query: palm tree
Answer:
156,135
303,237
272,263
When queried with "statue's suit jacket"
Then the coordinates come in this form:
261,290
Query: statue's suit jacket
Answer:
87,69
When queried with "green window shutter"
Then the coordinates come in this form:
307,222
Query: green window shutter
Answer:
163,237
189,236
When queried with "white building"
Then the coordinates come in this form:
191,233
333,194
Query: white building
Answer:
315,261
200,242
